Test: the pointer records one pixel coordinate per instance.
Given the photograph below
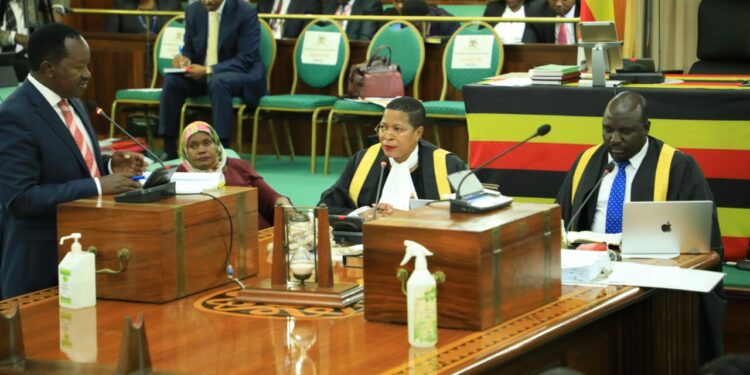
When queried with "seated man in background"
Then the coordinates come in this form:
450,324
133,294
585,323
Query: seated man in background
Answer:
414,168
121,23
16,23
201,152
421,8
288,28
222,61
50,155
557,33
355,30
509,32
625,128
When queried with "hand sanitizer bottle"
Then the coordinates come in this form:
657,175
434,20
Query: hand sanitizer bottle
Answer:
421,298
76,276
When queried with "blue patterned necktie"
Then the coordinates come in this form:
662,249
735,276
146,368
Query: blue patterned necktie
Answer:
616,199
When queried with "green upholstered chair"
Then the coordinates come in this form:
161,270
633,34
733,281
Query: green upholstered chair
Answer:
407,50
268,56
458,77
148,97
313,74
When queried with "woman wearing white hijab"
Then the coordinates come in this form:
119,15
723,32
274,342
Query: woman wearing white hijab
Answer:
412,168
201,152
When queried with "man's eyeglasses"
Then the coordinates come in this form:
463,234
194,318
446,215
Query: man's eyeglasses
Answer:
395,130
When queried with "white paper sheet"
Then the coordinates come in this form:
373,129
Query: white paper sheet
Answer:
171,41
320,48
512,82
472,52
644,275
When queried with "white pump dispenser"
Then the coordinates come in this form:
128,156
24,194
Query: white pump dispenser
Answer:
76,276
421,298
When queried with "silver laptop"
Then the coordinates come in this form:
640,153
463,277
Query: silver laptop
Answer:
675,227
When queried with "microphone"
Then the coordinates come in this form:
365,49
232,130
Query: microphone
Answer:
607,170
485,203
158,185
383,164
540,131
93,106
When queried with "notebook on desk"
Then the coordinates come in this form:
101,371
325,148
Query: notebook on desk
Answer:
661,229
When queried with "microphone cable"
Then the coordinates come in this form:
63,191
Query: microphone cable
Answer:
227,261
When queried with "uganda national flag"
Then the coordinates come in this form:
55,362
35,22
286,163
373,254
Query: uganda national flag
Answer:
597,10
710,123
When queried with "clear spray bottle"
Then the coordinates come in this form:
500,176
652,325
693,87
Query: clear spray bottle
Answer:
421,298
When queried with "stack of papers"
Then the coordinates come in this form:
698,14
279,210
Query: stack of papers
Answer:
555,75
191,183
187,183
581,266
646,275
593,237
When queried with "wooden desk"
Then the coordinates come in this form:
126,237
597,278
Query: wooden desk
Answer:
612,330
736,330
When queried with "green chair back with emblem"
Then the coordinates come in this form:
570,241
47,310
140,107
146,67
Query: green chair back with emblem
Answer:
471,35
318,70
407,51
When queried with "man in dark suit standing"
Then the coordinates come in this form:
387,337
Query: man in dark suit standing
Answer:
288,28
50,155
221,59
355,30
557,33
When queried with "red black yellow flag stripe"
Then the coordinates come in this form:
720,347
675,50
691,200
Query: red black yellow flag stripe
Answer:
712,126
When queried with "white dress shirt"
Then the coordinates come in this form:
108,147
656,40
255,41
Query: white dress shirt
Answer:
600,216
511,32
279,28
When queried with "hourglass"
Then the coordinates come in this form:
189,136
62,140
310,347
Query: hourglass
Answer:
301,269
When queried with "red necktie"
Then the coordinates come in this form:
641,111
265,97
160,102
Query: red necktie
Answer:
562,35
86,152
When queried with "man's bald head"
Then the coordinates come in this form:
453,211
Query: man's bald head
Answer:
625,125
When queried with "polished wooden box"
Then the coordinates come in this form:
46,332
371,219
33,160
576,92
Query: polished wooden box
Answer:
177,246
497,265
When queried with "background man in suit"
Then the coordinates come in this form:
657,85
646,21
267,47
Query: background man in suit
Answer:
509,32
121,23
288,28
558,33
356,30
50,155
222,66
16,23
421,8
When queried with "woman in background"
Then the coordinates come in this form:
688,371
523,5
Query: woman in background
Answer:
201,152
119,23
